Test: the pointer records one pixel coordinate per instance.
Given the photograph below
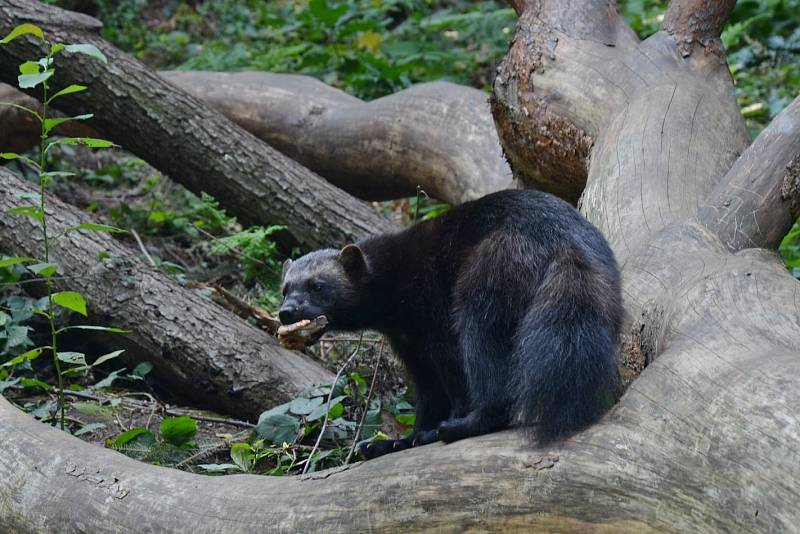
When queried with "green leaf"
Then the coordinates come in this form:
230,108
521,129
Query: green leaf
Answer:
28,211
13,155
23,29
91,142
70,89
27,356
142,369
91,427
93,227
242,455
218,468
278,429
49,124
360,382
301,406
71,300
17,335
106,357
276,410
87,49
58,47
107,381
179,431
109,329
29,81
328,15
45,270
75,358
135,434
13,260
29,67
323,409
336,411
31,383
406,419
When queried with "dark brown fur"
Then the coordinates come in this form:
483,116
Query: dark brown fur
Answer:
505,309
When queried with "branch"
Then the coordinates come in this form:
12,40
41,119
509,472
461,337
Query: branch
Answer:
692,22
197,348
757,201
182,137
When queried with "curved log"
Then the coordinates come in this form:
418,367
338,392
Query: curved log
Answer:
437,135
198,350
182,137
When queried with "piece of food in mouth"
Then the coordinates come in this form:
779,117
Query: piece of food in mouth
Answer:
302,333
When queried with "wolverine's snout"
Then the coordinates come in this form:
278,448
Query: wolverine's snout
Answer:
289,314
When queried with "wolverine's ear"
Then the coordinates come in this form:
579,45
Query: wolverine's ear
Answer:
286,265
353,260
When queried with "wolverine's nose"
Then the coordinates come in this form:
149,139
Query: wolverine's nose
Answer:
288,314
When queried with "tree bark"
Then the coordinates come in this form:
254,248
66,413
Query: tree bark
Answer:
199,351
182,137
704,440
437,135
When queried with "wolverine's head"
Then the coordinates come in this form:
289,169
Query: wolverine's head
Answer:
324,282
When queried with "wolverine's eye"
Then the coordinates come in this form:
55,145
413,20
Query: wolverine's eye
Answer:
316,286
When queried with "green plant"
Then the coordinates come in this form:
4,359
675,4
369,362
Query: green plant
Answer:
256,248
33,74
790,249
174,443
246,457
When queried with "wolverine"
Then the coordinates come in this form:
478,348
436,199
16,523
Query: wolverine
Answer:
506,310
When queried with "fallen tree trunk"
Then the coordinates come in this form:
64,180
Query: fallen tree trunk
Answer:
704,440
437,135
182,137
199,351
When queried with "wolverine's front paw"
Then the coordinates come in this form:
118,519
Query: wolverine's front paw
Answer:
385,446
423,437
379,448
452,430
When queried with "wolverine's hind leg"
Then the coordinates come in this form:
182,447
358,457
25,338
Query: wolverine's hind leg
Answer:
492,288
484,349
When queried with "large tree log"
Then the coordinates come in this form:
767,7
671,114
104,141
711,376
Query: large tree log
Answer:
438,135
184,138
198,350
704,440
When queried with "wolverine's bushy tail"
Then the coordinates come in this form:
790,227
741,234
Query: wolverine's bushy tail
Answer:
565,348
